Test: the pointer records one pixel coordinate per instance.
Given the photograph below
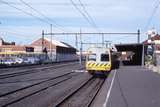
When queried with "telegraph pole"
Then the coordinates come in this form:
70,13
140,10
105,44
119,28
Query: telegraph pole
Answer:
80,60
103,39
76,42
42,40
51,43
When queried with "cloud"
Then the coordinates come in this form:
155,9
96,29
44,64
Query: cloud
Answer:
109,15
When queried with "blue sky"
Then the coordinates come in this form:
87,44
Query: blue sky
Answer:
109,16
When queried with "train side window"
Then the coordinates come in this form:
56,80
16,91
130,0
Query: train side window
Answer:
104,57
92,57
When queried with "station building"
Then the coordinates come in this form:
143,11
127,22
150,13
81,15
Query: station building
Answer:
155,40
55,50
11,49
43,49
152,48
2,42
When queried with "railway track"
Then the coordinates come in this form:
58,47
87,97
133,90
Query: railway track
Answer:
84,91
22,93
30,71
23,68
84,95
66,89
3,70
32,81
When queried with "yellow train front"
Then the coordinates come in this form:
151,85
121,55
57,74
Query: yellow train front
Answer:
98,60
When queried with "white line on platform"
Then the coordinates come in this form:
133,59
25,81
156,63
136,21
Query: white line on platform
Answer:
109,91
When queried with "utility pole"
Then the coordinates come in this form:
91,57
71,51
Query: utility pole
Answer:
103,39
51,44
80,60
142,55
76,42
42,40
138,38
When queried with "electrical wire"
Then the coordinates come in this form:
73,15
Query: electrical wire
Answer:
84,16
152,15
15,33
89,16
47,18
30,14
43,3
27,13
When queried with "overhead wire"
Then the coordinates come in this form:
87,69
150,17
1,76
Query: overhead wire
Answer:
18,35
45,17
84,15
152,15
43,3
89,16
27,13
30,14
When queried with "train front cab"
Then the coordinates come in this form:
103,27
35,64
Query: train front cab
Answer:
98,62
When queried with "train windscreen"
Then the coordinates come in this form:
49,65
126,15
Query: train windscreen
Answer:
92,57
104,57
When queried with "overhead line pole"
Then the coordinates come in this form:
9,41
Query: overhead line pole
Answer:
103,39
76,42
45,17
51,43
42,40
80,47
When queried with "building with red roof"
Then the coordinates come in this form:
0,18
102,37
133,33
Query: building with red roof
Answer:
154,40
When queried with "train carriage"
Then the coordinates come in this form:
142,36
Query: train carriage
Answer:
101,59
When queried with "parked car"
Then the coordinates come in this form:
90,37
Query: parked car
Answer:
31,60
8,61
18,60
26,61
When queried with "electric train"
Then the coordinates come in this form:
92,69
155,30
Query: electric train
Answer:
101,59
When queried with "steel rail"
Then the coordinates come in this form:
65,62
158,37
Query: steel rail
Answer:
30,67
2,95
46,82
89,82
96,94
30,71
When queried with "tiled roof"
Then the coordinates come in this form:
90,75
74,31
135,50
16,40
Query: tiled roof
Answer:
57,43
156,37
47,43
13,47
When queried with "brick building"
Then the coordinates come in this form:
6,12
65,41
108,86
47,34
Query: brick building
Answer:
7,48
55,50
156,41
